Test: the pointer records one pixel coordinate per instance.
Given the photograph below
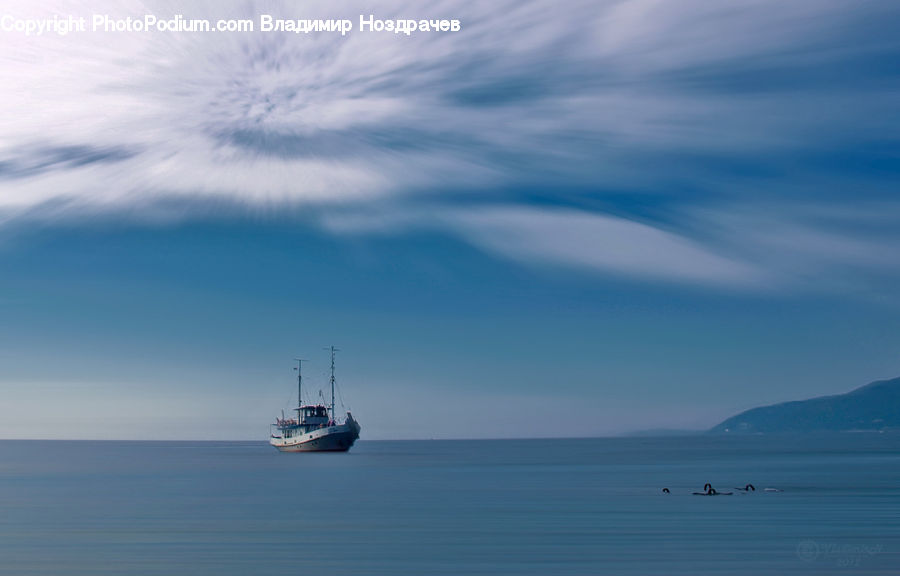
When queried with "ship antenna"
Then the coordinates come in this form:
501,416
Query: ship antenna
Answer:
333,350
299,385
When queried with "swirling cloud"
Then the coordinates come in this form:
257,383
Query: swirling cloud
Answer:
638,112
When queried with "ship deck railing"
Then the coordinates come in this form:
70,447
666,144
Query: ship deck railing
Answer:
284,424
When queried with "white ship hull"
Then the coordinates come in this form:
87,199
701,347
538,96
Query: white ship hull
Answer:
337,438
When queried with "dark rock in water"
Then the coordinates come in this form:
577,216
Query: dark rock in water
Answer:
708,490
874,407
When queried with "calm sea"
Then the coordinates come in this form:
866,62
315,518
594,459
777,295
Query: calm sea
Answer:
587,506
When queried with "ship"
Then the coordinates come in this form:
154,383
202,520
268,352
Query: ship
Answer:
315,429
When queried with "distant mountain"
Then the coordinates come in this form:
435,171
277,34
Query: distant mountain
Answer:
875,406
654,432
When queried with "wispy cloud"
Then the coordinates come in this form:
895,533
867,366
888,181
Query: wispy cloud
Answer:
819,246
685,110
570,238
748,247
603,243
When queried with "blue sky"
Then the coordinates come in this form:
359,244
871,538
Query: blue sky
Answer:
575,219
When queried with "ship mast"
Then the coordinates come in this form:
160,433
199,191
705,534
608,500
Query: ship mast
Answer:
333,350
299,385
